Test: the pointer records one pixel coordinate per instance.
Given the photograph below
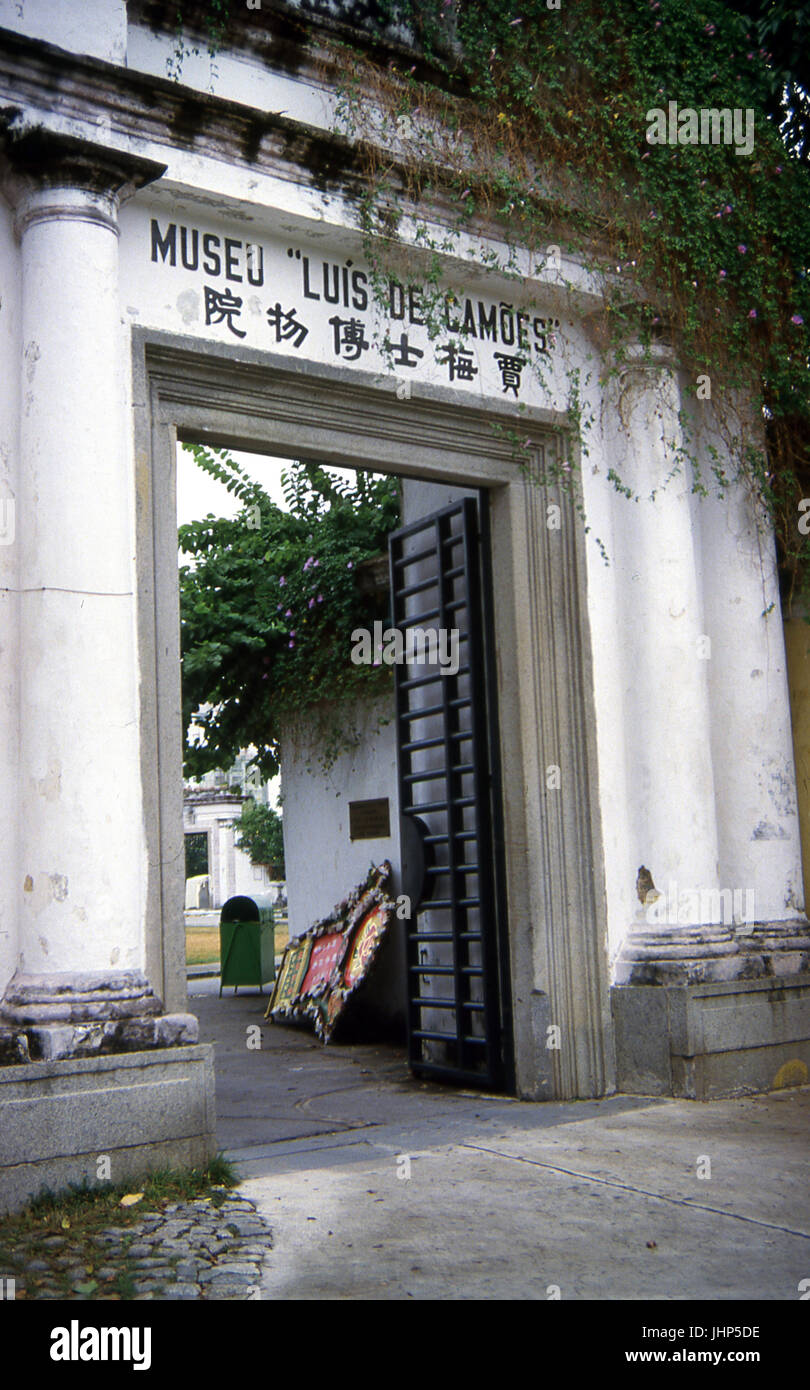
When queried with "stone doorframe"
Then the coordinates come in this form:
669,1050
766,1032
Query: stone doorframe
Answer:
554,866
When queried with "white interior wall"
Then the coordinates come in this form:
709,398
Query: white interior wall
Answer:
322,863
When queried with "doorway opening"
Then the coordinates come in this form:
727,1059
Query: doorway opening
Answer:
423,751
337,417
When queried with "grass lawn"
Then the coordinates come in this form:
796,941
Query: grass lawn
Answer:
202,943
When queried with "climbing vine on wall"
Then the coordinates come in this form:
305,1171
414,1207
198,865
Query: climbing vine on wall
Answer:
526,124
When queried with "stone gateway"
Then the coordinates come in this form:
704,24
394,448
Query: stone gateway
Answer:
183,259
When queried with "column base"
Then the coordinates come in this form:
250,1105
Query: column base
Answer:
94,1013
691,954
711,1012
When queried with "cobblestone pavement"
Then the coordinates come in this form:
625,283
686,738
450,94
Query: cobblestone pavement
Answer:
189,1250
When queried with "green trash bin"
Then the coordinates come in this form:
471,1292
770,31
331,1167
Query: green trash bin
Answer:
247,951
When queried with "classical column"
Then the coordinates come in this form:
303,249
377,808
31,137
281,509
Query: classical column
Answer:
79,985
758,822
668,723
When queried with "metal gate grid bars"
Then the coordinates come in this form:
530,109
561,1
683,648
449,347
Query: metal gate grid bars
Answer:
455,1004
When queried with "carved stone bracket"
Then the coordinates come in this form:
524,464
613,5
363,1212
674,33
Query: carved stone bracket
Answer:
51,159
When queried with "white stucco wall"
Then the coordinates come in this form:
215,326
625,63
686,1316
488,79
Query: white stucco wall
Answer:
10,522
322,864
95,27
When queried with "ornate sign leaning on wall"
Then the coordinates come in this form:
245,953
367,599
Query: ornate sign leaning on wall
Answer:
324,966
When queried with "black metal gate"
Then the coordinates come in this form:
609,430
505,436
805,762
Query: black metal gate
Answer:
459,1014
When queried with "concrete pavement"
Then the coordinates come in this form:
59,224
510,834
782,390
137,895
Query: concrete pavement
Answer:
381,1186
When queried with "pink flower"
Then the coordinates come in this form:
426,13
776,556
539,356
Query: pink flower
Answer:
752,313
797,319
350,565
290,644
722,274
742,249
320,598
282,580
311,603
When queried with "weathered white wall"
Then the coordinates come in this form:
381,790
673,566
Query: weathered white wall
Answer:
10,521
752,744
696,776
95,27
231,76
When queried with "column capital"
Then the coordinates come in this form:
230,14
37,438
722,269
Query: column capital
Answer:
49,175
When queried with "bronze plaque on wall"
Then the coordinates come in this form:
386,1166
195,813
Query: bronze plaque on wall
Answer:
369,820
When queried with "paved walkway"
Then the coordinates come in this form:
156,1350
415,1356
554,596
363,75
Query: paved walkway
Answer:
380,1186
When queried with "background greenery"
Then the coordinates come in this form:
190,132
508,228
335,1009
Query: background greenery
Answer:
268,602
259,831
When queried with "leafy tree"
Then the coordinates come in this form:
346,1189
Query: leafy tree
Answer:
260,834
782,27
268,603
536,128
